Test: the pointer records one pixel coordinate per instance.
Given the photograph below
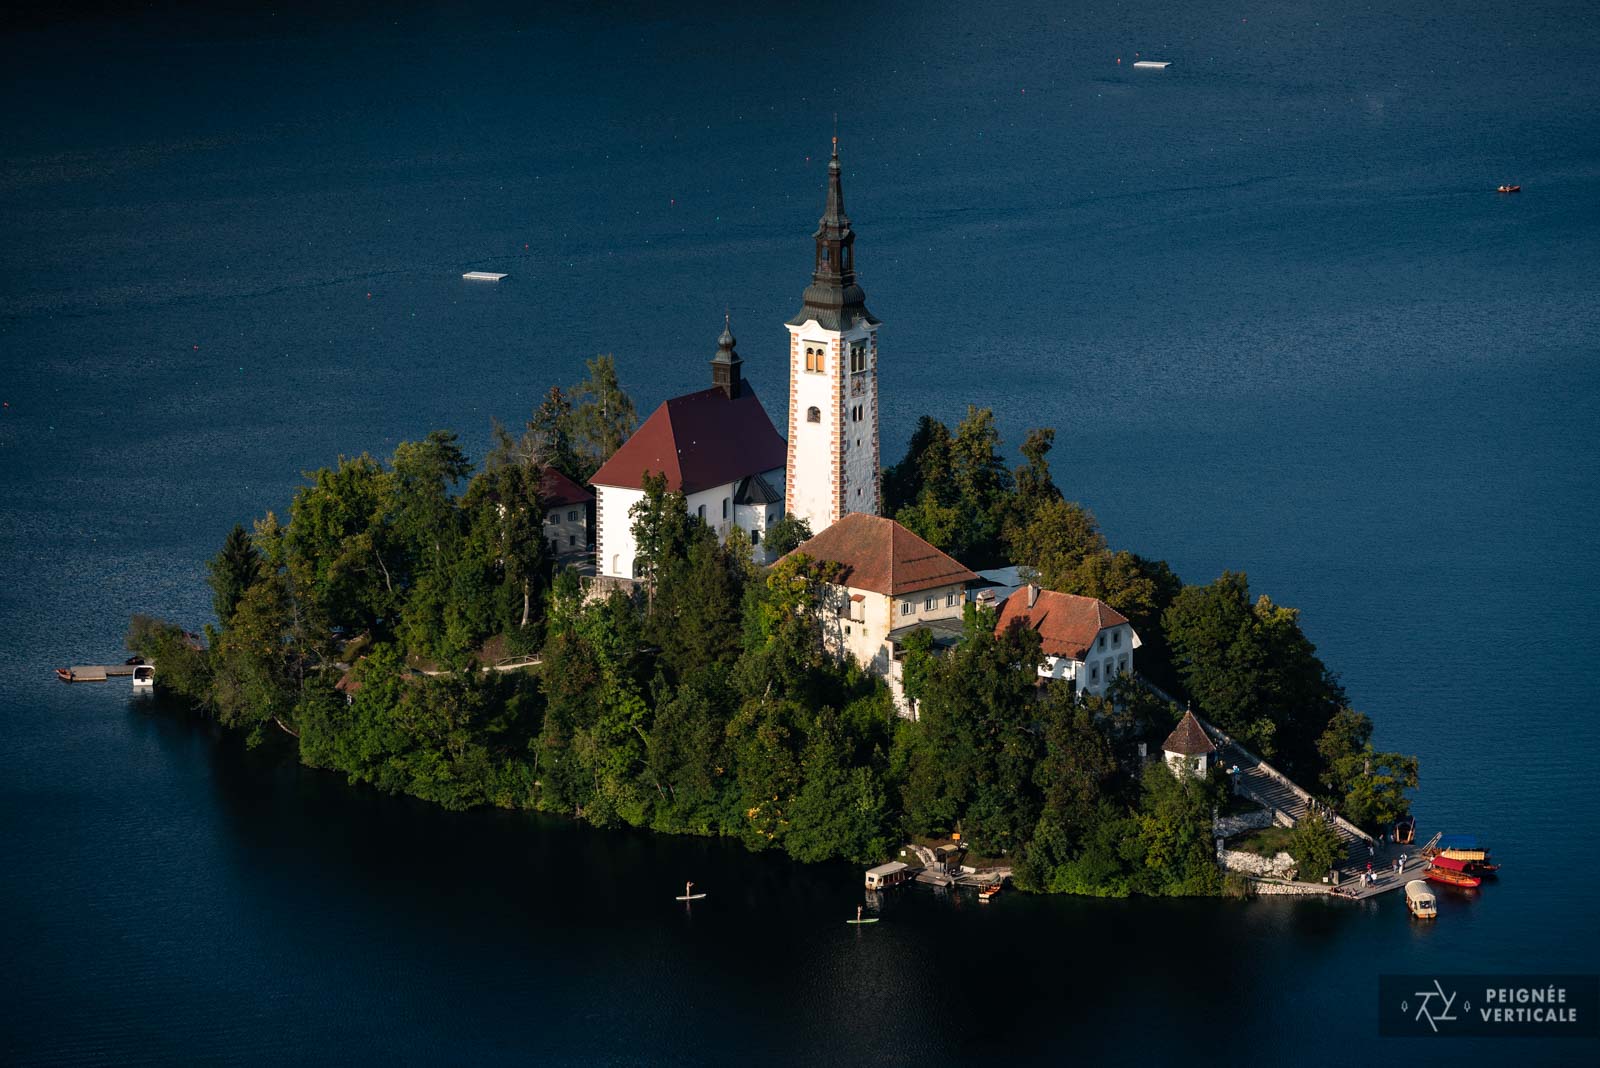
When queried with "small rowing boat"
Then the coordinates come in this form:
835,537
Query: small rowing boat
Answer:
1509,189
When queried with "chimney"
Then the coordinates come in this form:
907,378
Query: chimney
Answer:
1033,594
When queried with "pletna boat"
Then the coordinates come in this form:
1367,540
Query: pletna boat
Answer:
1419,899
63,674
988,892
1509,189
1451,873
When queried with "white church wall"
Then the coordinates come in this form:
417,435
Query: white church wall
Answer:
614,544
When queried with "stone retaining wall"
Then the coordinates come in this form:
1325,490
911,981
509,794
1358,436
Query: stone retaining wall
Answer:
1228,826
1270,889
1280,866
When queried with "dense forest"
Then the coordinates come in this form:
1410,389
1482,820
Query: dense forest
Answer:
371,629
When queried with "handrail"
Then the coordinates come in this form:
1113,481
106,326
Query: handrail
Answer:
1295,788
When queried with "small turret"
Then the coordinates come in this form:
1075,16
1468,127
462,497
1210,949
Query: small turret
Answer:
726,365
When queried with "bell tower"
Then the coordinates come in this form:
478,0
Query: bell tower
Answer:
833,380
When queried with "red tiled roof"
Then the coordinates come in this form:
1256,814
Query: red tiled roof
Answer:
698,441
882,556
556,488
1067,624
1188,738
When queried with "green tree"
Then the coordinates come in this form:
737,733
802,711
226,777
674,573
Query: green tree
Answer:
1367,786
764,741
340,548
787,534
840,810
1055,542
1315,847
256,679
963,488
1174,826
602,418
661,530
694,616
183,667
927,455
975,758
1251,670
232,571
1140,589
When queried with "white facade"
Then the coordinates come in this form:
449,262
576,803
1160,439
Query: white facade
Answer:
615,548
833,422
1109,655
1188,765
856,624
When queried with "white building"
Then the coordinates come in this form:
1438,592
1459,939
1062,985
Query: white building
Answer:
889,582
1188,749
833,380
717,446
1083,639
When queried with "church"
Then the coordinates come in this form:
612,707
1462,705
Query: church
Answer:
720,448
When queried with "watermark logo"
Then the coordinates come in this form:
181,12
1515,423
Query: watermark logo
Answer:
1436,1012
1505,1005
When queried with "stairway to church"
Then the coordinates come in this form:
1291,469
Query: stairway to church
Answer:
1258,781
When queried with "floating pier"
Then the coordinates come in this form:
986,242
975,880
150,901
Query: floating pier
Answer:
482,276
142,674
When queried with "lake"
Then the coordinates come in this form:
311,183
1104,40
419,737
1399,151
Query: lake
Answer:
1267,297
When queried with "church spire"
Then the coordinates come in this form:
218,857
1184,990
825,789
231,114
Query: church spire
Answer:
834,298
726,365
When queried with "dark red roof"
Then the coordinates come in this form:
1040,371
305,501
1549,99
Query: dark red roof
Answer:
1067,624
882,556
1188,738
698,441
556,488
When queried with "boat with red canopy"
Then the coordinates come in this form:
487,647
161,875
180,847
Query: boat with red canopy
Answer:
1451,872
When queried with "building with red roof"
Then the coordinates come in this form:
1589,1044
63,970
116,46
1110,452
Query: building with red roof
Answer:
1083,639
717,446
566,514
886,583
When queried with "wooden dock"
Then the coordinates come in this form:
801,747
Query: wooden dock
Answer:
100,672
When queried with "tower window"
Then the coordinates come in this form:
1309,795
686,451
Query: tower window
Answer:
858,358
813,415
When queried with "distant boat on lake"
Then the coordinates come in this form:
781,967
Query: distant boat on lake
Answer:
482,276
1509,189
1152,64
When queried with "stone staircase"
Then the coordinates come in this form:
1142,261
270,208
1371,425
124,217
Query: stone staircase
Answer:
1288,803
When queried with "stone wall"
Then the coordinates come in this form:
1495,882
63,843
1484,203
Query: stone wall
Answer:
1280,866
1228,826
1269,889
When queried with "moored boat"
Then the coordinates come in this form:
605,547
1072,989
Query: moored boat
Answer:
1419,899
1450,876
63,674
988,891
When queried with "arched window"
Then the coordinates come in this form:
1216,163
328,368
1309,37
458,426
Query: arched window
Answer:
813,415
811,359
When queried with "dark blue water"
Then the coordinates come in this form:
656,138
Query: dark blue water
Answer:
1267,297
